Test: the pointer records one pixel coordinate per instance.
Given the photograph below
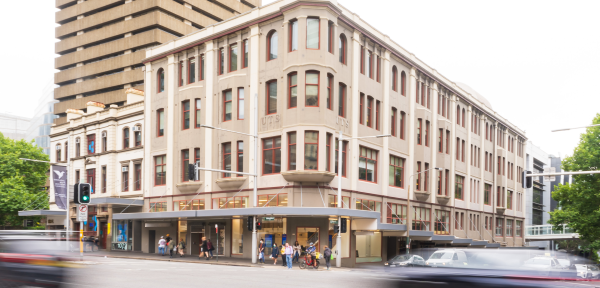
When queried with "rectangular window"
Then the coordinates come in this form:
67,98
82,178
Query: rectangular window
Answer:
104,143
91,179
370,63
421,219
233,57
393,124
463,151
125,178
458,188
344,150
442,222
202,67
487,194
160,170
312,33
312,89
418,183
362,60
180,73
499,222
185,115
241,107
185,161
396,171
125,138
226,159
402,116
377,104
160,125
293,45
427,133
197,159
441,140
334,203
197,107
292,151
447,179
509,200
426,183
367,165
311,150
245,53
191,70
137,177
330,37
368,205
138,137
329,91
439,183
272,97
272,200
342,101
227,105
158,207
292,90
103,179
519,225
419,127
396,214
272,155
186,205
230,202
509,227
328,152
362,101
369,111
378,69
221,61
91,142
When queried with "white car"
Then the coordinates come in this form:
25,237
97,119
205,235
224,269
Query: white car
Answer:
587,271
447,258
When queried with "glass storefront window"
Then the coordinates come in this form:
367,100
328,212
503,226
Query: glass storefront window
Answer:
185,205
307,235
273,231
237,236
368,248
122,238
182,231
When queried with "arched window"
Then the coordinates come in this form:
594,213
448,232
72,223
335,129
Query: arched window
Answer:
458,115
137,134
272,45
395,78
104,142
160,78
125,138
463,117
343,49
403,83
58,152
77,147
486,131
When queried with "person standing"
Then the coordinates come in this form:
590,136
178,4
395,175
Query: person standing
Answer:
288,255
161,245
274,254
180,247
204,248
297,250
261,252
171,245
327,255
312,254
282,252
210,248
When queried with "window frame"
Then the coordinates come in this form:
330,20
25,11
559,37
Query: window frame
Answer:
462,187
311,143
197,109
395,78
342,100
137,177
329,91
245,54
319,33
343,49
164,159
419,131
306,84
230,56
223,159
160,82
135,136
369,111
239,153
269,44
268,96
183,115
202,60
402,124
180,72
401,160
184,167
159,122
191,69
392,213
289,150
290,87
126,137
291,35
221,61
242,106
344,156
330,34
103,178
393,120
225,103
274,148
366,163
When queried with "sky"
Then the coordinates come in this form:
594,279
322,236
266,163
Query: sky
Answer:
535,61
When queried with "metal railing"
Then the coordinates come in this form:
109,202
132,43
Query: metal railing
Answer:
541,230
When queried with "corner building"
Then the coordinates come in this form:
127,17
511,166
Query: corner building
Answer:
315,69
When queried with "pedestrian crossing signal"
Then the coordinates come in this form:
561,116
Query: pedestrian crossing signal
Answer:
250,223
258,225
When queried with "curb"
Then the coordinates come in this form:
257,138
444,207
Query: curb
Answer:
181,261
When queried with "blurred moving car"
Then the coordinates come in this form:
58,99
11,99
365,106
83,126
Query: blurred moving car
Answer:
406,260
32,259
543,265
564,263
447,258
587,271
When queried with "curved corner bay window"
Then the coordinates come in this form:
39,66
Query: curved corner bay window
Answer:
311,144
367,165
185,107
227,159
272,155
312,33
344,149
293,90
272,97
192,70
292,151
312,89
272,45
293,36
396,171
227,105
233,54
185,162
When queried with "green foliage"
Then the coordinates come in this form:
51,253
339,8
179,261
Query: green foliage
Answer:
21,181
580,202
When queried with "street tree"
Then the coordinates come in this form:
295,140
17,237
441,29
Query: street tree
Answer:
580,202
21,182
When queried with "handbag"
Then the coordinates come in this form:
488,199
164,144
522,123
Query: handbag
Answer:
175,249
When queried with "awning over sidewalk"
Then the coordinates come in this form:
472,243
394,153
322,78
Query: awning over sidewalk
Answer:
43,213
117,201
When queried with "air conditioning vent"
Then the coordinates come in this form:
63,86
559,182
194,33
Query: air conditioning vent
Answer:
136,128
124,169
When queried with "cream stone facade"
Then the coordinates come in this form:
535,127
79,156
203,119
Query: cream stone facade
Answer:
316,69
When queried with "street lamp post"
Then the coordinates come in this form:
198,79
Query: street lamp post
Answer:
408,220
566,129
338,259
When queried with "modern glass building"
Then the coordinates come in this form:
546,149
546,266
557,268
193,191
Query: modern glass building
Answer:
39,125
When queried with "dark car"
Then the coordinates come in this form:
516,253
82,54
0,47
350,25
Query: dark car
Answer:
406,260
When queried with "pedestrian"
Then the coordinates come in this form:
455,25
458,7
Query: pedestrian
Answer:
261,252
171,246
168,238
210,248
161,245
288,255
312,254
282,252
297,250
181,247
274,254
327,254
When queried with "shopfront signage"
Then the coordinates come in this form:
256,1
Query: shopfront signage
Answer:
269,218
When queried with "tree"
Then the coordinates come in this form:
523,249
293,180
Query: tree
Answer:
21,182
580,202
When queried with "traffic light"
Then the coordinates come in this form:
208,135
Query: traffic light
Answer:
81,193
527,180
259,225
250,223
343,225
336,229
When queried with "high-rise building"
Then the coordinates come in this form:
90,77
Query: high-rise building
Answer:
102,43
39,127
14,127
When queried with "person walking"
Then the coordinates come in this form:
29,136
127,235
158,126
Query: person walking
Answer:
168,238
297,250
204,248
161,245
181,247
210,248
282,251
261,252
312,254
171,245
288,255
327,255
274,254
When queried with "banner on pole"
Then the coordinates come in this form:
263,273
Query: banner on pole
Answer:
59,178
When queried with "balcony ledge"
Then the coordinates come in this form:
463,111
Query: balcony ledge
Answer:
308,176
443,198
500,210
231,183
422,195
189,187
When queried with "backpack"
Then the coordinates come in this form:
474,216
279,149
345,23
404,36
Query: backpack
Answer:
327,253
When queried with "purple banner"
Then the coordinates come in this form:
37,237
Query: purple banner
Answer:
59,177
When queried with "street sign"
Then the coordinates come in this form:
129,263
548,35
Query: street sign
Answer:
82,213
549,170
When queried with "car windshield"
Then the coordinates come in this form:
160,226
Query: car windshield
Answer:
538,261
441,255
580,266
401,258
